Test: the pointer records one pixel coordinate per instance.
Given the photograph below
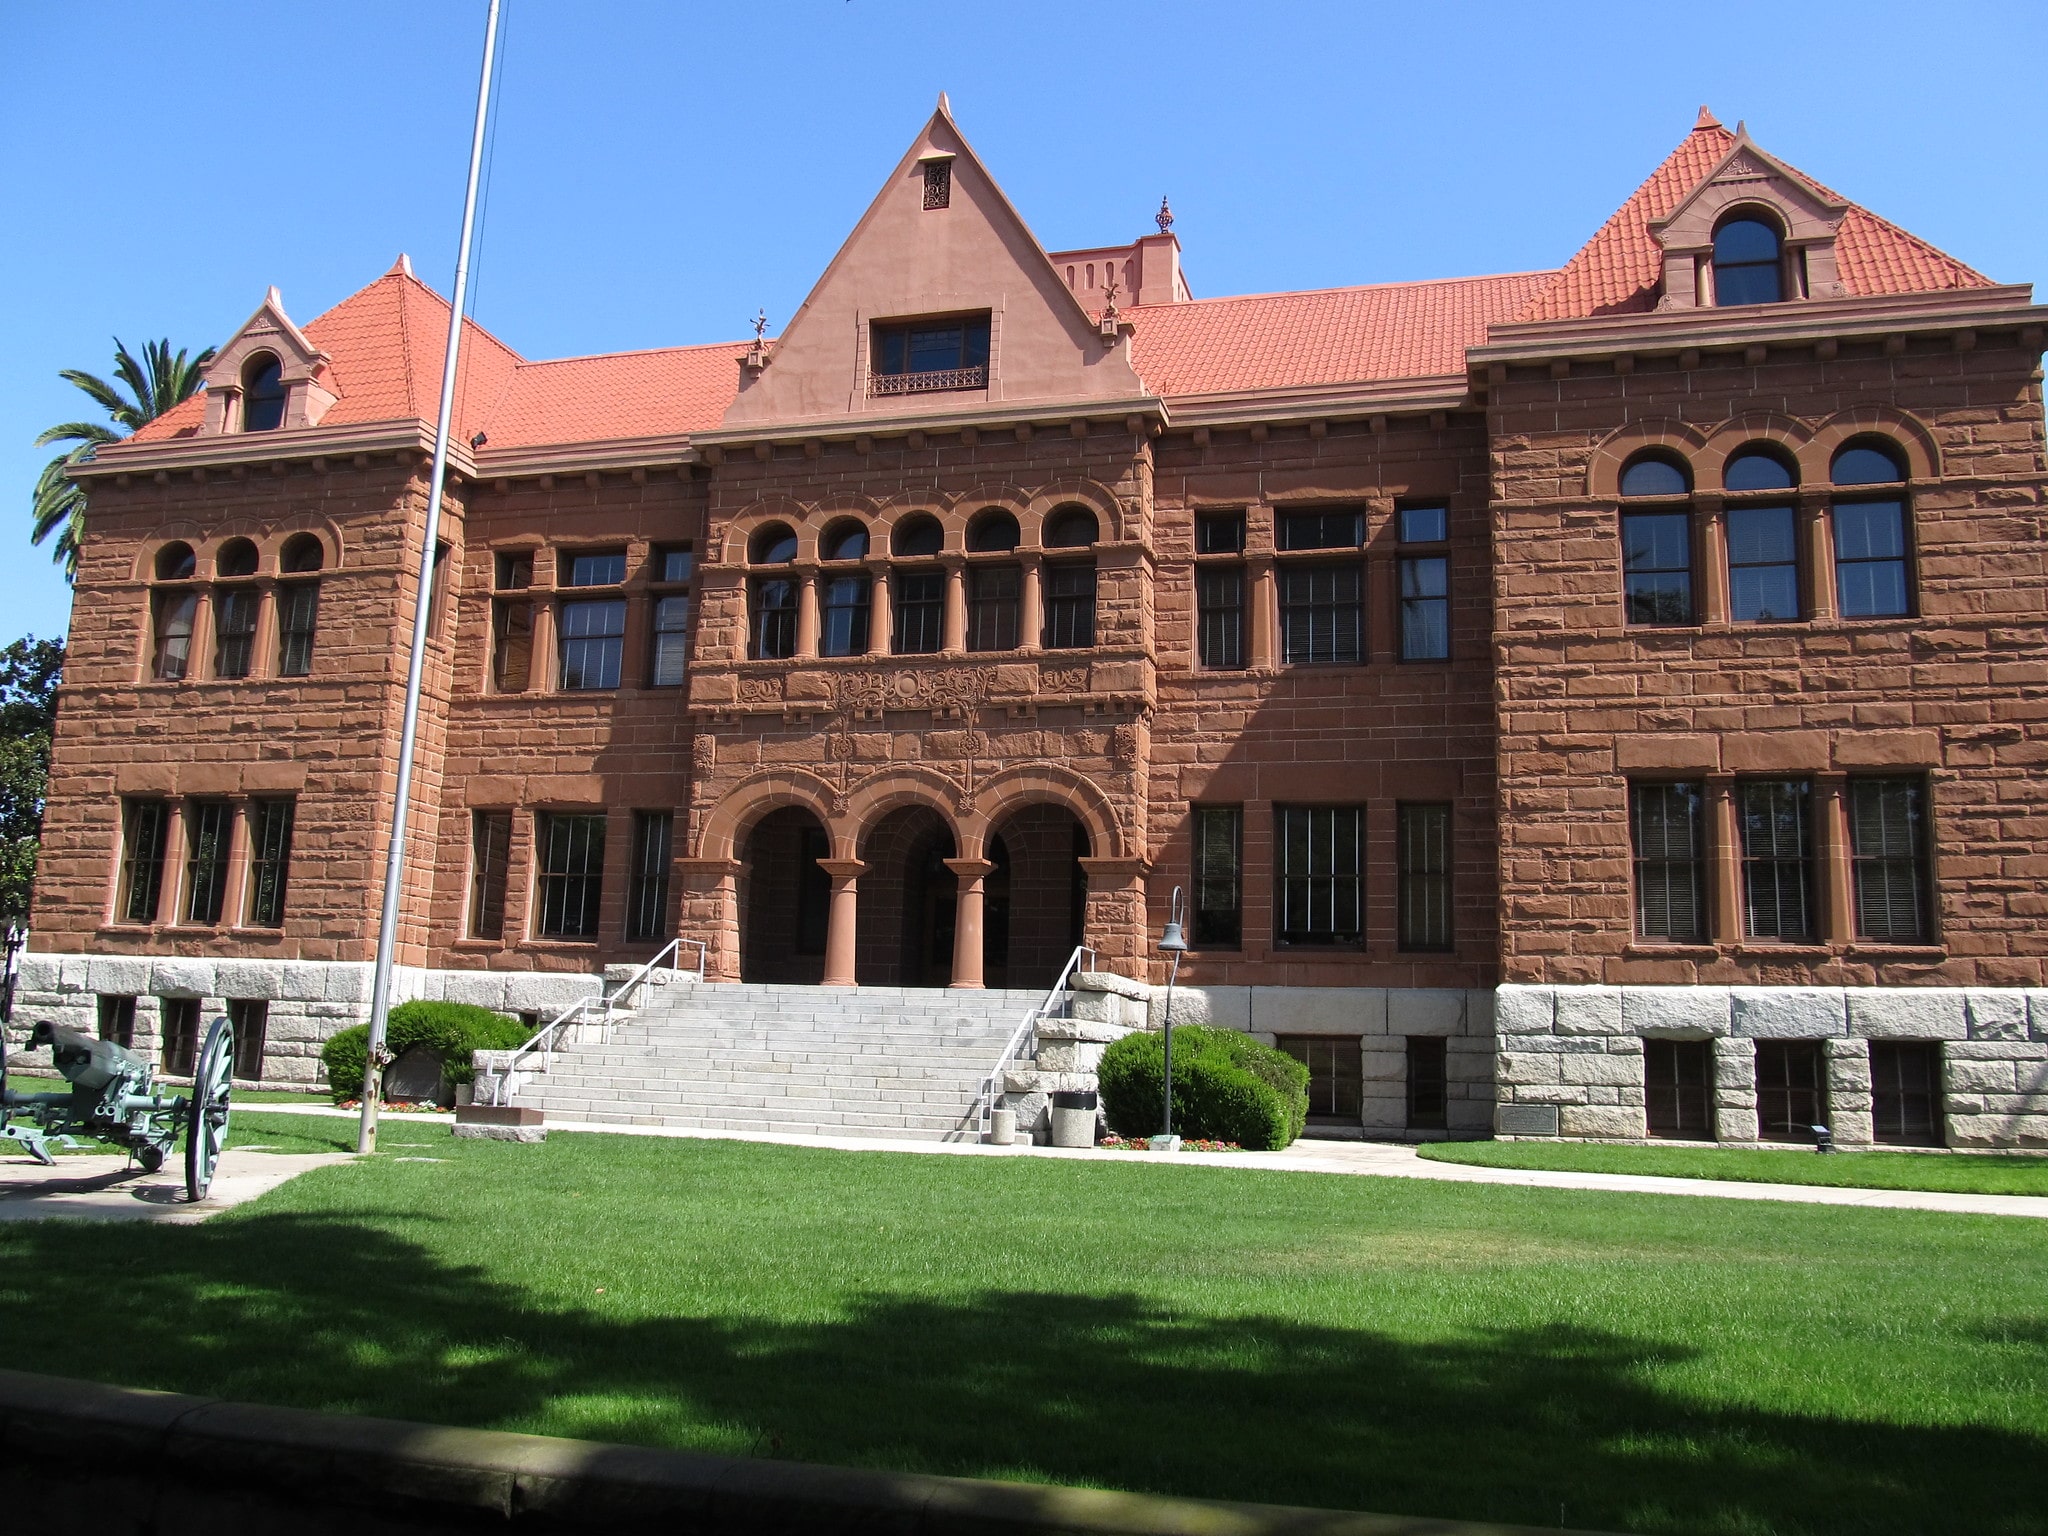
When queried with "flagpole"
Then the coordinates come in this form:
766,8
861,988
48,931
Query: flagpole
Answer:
394,863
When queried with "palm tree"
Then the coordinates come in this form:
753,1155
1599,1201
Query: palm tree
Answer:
155,384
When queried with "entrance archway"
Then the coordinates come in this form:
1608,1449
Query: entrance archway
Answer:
1037,896
908,901
784,899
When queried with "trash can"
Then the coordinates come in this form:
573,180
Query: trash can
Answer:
1073,1118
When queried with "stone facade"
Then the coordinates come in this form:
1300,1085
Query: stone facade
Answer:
1312,607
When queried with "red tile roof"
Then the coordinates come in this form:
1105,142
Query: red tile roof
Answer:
1331,336
1616,272
386,341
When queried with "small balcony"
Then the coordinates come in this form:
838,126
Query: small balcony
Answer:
929,382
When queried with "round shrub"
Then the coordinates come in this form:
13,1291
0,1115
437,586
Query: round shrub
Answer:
1226,1087
450,1030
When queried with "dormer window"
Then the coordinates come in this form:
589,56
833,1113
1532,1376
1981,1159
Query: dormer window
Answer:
263,394
938,183
1748,263
920,356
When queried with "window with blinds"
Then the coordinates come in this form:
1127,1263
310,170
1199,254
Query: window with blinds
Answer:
1665,825
1888,843
1321,857
1777,858
1219,839
1424,876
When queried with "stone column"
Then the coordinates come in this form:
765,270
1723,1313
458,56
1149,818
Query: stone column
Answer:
1261,594
881,615
807,613
953,638
540,665
967,958
1819,554
1835,862
1712,560
1031,617
1848,1086
1734,1089
841,924
1114,925
1724,843
1382,608
711,912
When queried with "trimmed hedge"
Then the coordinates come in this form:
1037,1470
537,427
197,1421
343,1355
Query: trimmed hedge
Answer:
1226,1087
450,1030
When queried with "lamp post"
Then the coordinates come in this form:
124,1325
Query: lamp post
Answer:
1170,943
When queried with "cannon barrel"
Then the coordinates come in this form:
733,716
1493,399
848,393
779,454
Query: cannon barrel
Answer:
88,1063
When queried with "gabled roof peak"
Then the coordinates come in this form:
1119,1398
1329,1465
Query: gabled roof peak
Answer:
1706,119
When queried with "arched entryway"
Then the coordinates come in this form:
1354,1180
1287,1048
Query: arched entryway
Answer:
784,899
1037,895
908,901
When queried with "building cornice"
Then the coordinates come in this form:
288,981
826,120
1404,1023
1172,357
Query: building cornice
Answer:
1382,397
222,450
994,413
1800,321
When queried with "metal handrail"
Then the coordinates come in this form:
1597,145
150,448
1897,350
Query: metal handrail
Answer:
544,1039
991,1085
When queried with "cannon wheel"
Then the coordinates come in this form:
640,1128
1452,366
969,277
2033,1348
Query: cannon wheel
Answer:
207,1127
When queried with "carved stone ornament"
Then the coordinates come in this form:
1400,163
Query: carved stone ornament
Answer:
704,752
1123,746
1063,679
761,690
964,687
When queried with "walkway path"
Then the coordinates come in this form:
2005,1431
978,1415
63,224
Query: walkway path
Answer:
1382,1159
107,1187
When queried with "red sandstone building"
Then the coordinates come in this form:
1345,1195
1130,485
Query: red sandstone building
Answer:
1592,702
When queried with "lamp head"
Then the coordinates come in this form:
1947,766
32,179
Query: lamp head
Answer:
1171,942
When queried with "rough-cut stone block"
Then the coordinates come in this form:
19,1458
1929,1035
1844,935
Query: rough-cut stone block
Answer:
114,975
1425,1011
1109,981
1479,1011
1996,1015
1851,1127
38,973
481,988
255,980
1848,1065
303,981
546,992
1223,1007
1320,1010
1588,1010
1907,1013
1521,1010
1520,1068
1964,1076
1525,1119
1615,1070
1788,1013
1735,1122
2037,1013
348,983
1682,1012
1600,1120
182,978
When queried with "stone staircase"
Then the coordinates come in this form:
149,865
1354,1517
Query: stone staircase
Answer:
844,1061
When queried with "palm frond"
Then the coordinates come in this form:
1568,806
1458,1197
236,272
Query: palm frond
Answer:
79,432
59,508
109,399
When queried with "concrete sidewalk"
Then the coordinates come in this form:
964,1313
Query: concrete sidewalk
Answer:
107,1187
1381,1159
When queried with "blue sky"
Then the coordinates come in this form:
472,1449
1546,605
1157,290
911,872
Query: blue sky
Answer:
661,170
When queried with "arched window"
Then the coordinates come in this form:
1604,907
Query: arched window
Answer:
1071,528
1758,469
302,555
1657,543
916,537
173,614
845,541
773,545
1655,474
237,557
1873,579
262,394
298,605
1748,268
992,532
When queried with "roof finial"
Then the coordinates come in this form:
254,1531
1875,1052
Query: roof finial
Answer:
945,106
1706,119
1163,218
405,263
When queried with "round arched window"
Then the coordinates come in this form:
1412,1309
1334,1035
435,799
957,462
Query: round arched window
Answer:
846,541
174,562
1655,474
1746,263
237,557
773,545
1866,464
1071,528
1758,469
993,532
916,536
302,553
262,394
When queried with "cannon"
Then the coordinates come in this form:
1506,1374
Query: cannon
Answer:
114,1099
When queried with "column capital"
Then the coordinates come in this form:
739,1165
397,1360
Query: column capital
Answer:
971,869
715,867
843,869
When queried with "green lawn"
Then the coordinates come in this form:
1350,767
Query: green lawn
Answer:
1976,1173
1620,1362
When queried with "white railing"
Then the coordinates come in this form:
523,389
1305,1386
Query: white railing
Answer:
992,1089
505,1079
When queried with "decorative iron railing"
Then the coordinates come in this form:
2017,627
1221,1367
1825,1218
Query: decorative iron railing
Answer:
928,383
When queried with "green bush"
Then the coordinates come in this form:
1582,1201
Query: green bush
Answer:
1226,1087
450,1030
